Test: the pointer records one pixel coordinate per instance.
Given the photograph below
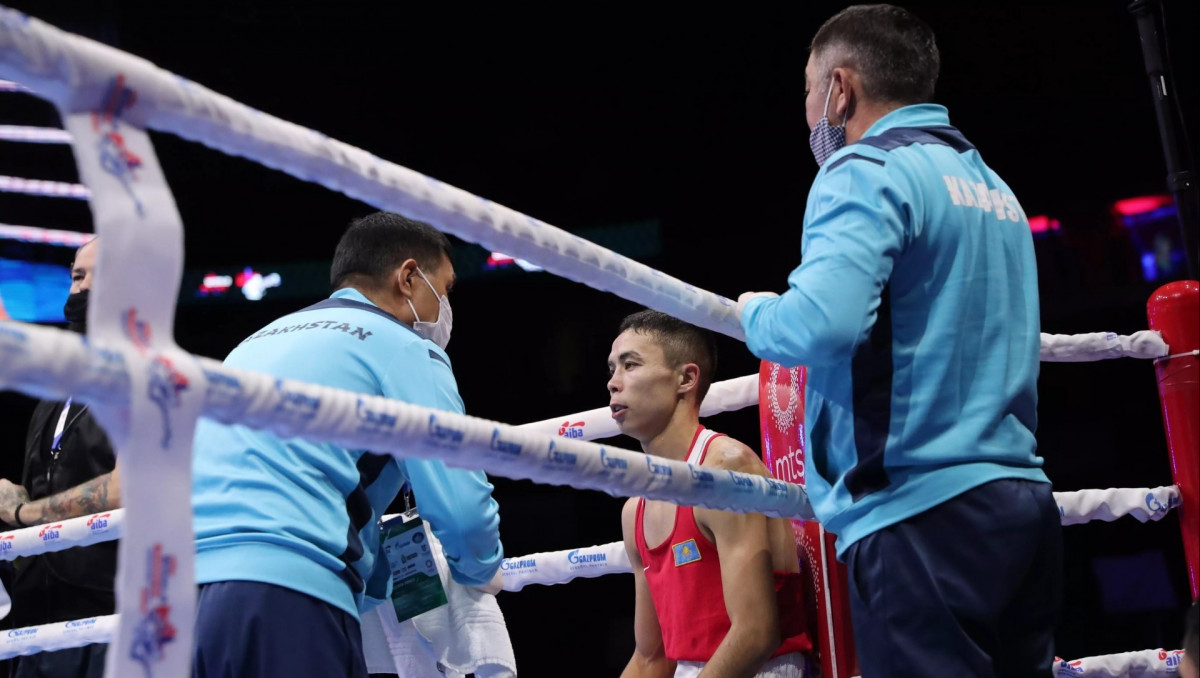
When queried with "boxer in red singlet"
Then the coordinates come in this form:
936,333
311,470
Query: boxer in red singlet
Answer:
717,594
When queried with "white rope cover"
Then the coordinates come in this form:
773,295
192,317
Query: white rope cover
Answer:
1108,505
44,236
60,636
53,363
50,189
559,567
1141,664
1075,348
723,396
35,135
63,534
80,632
65,68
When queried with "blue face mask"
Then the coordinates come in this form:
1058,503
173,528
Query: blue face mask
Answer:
825,139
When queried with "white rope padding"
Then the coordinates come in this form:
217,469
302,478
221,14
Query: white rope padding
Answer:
1107,505
42,187
1076,348
62,534
35,135
62,67
44,236
1141,664
723,396
53,363
560,567
59,636
80,632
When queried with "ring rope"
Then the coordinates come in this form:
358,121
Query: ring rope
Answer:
1075,508
54,363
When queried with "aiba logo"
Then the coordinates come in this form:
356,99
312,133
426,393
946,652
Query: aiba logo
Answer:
1064,668
136,331
50,532
166,386
569,430
6,543
115,156
1172,659
444,436
154,630
99,522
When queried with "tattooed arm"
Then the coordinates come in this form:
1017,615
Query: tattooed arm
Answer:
102,493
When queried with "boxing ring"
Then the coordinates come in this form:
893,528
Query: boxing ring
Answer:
148,393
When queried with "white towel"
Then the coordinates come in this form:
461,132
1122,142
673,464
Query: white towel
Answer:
467,635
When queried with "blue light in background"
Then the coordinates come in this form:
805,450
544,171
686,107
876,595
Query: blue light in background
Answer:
34,292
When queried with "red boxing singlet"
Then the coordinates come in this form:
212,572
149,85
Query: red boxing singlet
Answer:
684,574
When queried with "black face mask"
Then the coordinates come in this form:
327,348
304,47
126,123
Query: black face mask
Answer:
75,311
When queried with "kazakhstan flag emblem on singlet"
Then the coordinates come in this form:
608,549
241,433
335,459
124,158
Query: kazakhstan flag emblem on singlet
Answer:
685,552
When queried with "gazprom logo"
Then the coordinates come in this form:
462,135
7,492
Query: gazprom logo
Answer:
444,436
511,564
556,456
80,624
741,483
577,558
295,403
609,461
701,479
22,633
505,446
656,468
373,420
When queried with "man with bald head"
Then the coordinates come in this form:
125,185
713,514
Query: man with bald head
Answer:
70,471
915,309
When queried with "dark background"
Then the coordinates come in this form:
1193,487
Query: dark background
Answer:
587,116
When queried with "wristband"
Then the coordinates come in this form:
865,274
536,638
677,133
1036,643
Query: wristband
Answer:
17,515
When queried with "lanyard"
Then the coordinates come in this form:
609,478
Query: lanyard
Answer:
62,423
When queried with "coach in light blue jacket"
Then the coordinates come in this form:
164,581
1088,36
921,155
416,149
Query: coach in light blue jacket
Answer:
287,538
915,308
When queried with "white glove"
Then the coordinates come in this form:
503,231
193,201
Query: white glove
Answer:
747,296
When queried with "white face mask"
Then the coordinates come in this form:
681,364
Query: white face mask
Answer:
438,332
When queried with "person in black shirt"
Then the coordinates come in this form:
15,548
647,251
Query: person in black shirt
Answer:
70,471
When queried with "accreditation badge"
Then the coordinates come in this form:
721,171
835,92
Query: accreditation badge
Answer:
416,586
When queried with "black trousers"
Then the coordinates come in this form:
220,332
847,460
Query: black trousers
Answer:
75,662
253,630
971,587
